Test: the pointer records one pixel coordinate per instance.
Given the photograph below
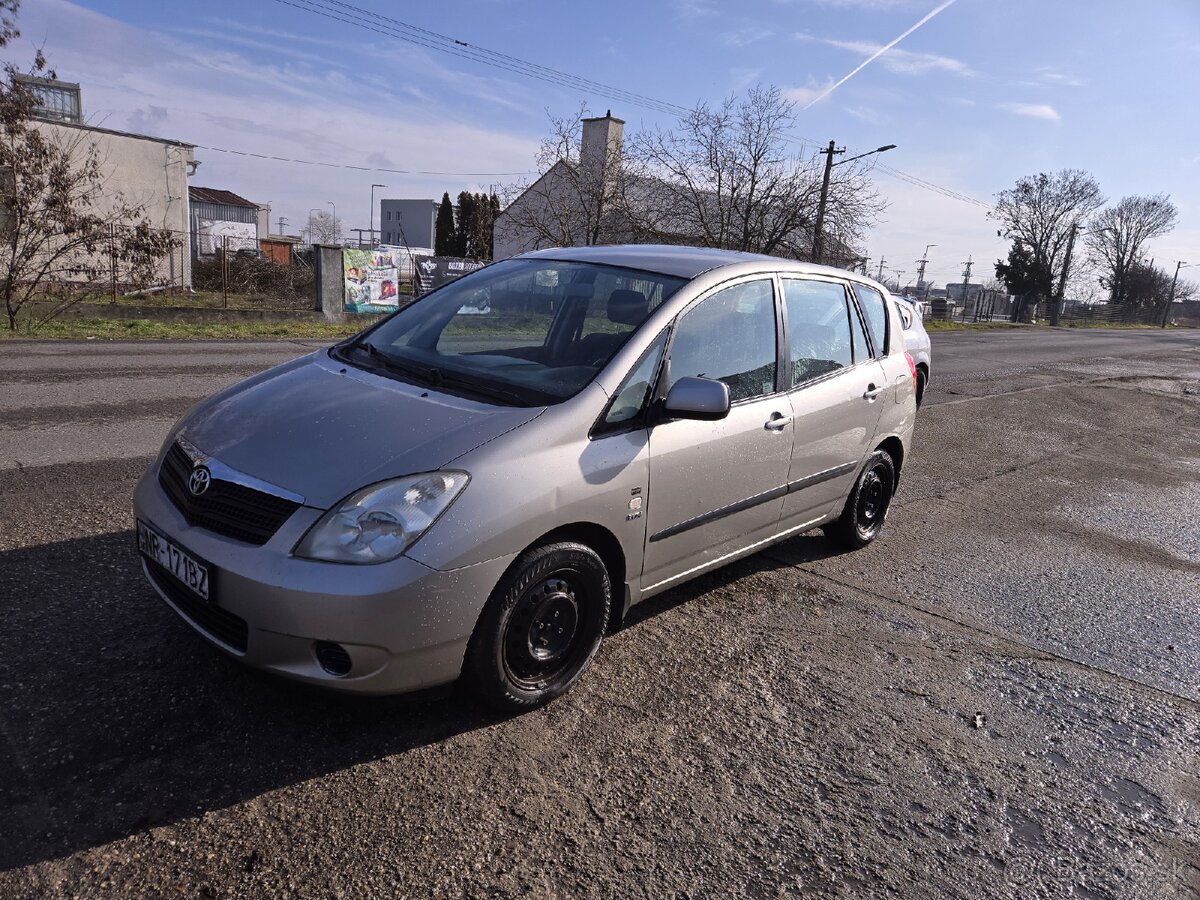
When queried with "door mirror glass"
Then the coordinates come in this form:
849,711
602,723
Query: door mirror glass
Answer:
698,398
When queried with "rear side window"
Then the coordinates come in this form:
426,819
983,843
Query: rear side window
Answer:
730,337
875,312
818,328
905,315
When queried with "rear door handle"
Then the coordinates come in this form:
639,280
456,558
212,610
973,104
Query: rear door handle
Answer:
778,422
871,392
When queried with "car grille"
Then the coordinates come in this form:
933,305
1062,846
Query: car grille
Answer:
212,620
229,509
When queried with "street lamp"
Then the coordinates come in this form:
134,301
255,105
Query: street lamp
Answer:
373,212
818,227
335,218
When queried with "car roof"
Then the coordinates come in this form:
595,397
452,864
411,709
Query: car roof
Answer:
668,259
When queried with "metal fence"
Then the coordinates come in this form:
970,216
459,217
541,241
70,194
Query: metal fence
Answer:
236,275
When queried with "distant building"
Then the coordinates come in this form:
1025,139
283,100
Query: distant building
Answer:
148,171
407,223
222,219
279,248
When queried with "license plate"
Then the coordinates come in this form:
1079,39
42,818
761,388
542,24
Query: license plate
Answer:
191,574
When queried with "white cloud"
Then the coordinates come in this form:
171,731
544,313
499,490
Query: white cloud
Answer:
743,37
903,62
1049,76
214,93
805,94
1032,110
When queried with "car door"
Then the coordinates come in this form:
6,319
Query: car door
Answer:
717,487
836,388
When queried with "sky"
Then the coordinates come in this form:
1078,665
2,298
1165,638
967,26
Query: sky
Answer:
979,94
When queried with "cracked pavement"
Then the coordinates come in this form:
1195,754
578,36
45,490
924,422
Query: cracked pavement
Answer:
999,696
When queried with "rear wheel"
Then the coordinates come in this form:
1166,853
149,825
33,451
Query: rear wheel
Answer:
867,506
540,628
921,379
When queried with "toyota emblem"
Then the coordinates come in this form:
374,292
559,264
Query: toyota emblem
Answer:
199,481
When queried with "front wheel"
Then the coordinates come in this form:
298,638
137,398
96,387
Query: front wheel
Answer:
540,628
867,506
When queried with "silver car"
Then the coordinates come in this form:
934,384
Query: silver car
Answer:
916,338
482,484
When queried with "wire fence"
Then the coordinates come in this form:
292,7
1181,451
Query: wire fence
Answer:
231,271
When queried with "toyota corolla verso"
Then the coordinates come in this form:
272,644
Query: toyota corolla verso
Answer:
481,485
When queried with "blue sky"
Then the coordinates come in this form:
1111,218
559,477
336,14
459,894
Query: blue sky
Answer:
984,92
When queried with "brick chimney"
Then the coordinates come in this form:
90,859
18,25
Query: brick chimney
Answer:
600,150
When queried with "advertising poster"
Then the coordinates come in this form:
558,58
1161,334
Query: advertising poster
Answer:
215,232
372,281
434,271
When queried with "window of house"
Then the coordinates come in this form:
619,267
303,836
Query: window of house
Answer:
730,337
56,101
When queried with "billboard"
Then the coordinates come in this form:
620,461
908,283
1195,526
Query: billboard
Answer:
372,279
434,271
214,232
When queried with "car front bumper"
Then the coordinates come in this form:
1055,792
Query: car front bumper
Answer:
404,625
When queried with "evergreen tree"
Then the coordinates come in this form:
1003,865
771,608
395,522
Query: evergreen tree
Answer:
467,215
494,209
445,239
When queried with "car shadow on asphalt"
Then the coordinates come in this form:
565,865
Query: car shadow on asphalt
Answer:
115,717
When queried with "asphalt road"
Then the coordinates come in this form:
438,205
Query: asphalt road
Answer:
802,722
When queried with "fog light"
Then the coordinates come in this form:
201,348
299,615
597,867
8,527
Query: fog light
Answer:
333,658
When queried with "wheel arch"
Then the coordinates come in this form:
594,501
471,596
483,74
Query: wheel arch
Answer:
894,448
606,545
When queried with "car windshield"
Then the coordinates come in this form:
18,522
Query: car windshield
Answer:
522,332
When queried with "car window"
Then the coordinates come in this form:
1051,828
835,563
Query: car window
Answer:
875,312
730,337
527,331
905,315
818,328
632,396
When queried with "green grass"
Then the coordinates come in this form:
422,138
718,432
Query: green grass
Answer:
951,325
132,329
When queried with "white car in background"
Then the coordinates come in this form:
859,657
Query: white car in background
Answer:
916,339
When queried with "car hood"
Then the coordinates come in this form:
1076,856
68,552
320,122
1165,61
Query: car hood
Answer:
323,430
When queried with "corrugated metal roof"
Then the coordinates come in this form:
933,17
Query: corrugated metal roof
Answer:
213,195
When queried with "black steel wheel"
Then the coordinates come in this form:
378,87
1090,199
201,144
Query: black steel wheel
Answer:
540,628
867,506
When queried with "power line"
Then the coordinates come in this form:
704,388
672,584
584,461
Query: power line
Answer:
359,17
329,165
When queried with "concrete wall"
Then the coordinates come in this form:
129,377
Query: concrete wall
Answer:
146,171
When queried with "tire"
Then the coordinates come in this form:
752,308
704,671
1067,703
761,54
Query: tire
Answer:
921,379
867,506
540,629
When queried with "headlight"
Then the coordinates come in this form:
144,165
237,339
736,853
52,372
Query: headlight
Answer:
379,522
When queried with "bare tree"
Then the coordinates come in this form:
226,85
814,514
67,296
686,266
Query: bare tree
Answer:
570,204
325,228
63,234
1117,239
1040,214
727,177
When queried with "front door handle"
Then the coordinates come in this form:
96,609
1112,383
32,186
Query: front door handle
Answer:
778,422
871,392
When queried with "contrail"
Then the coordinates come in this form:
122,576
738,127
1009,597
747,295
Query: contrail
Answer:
878,53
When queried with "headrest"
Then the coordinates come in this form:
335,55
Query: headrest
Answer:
627,307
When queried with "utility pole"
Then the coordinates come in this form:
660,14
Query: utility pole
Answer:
818,250
1171,299
282,223
879,276
922,262
966,282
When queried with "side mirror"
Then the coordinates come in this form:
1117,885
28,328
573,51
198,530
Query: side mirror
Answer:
697,398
